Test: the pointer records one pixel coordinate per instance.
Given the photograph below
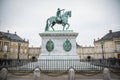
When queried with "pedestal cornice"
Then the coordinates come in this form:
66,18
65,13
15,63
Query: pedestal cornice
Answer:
58,33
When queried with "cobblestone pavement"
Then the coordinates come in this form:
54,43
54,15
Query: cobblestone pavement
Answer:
30,76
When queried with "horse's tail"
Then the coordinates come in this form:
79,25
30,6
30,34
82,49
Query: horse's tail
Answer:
47,27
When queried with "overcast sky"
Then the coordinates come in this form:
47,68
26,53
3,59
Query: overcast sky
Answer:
90,18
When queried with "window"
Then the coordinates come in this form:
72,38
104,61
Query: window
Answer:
16,44
16,50
25,51
11,50
5,48
118,47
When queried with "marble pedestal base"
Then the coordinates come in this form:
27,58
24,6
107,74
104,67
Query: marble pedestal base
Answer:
60,51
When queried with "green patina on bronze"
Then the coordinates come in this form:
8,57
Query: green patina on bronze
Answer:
67,45
49,46
60,18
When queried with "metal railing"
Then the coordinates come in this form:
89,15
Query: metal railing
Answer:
59,64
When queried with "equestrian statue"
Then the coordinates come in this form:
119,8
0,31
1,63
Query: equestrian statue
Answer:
59,19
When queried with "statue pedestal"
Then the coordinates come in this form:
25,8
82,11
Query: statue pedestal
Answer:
58,45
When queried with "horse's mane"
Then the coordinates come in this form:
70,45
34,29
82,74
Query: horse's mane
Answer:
65,14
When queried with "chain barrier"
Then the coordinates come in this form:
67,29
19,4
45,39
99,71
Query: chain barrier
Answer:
89,73
20,73
115,71
57,72
60,73
54,73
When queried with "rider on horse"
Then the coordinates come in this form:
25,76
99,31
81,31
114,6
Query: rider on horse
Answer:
58,14
58,19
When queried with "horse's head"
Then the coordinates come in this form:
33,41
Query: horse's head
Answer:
66,14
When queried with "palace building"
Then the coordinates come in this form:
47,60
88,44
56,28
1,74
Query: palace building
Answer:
34,52
86,52
108,46
12,46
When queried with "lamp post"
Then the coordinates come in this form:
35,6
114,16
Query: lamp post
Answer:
19,44
102,44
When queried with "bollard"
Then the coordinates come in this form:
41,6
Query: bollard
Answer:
37,74
3,74
106,74
71,75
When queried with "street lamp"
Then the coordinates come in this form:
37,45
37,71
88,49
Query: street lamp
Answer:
19,44
102,44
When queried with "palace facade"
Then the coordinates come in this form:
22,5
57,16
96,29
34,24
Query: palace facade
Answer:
12,46
106,47
34,52
86,52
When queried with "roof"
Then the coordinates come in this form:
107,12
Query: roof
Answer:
77,45
111,35
11,36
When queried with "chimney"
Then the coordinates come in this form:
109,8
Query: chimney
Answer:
110,31
28,40
98,38
8,31
15,32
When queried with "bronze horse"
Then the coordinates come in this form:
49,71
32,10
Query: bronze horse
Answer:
53,20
